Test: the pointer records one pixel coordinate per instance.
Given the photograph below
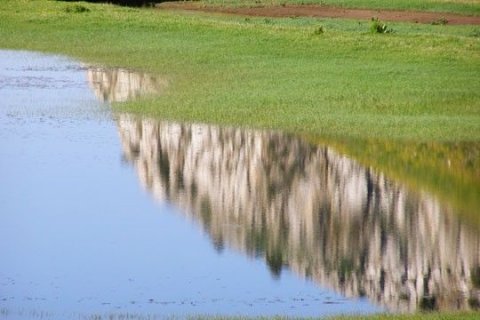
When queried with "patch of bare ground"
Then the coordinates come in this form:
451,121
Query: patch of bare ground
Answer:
318,11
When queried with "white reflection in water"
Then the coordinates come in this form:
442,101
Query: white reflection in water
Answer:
310,209
120,85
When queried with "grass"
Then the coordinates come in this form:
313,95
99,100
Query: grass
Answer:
420,82
381,98
466,7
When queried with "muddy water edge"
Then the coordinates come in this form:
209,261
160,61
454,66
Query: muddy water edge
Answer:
245,222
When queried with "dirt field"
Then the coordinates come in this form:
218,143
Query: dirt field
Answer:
330,12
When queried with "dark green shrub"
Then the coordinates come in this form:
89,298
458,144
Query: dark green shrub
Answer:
377,26
475,275
76,8
132,3
319,30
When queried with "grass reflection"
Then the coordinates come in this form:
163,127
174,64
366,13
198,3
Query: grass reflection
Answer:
449,170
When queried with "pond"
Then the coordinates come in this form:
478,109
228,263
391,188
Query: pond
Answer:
108,214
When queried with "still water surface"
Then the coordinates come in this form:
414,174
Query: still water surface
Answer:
245,222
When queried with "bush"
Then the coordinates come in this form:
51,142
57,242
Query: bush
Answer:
377,26
76,9
133,3
319,30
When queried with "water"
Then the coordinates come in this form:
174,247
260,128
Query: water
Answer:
224,221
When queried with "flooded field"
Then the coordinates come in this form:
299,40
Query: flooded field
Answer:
105,214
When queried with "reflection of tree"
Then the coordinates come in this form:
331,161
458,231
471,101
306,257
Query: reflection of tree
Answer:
132,3
449,170
119,85
312,210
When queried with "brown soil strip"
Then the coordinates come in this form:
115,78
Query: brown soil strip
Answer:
318,11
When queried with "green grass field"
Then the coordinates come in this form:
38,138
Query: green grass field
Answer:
467,7
419,83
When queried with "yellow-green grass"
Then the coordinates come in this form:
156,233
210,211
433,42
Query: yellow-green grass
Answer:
466,7
419,83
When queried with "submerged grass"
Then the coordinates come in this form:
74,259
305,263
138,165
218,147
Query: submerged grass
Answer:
149,316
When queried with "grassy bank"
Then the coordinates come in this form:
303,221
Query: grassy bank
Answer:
454,6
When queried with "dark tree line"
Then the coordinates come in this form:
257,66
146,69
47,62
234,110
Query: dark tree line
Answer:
133,3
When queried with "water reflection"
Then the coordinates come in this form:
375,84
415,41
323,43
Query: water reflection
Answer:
312,210
120,85
66,201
